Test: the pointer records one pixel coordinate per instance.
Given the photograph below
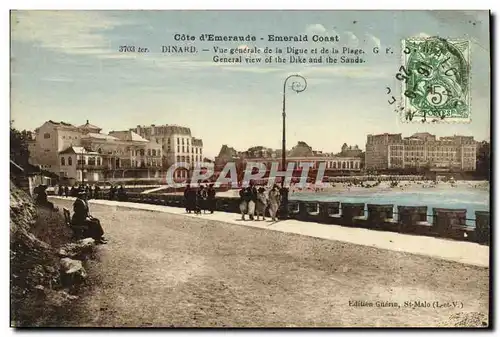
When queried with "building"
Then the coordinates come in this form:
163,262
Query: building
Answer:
300,153
80,165
421,151
49,139
83,152
350,151
377,150
177,144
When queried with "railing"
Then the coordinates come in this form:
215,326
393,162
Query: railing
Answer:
444,222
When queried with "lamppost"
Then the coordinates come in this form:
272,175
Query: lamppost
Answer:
83,165
298,86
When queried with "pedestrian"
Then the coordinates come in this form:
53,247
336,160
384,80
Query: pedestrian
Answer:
97,192
274,201
122,194
112,191
201,199
186,198
244,197
211,198
252,192
60,190
261,204
66,191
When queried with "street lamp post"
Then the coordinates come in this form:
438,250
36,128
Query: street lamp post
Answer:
298,86
83,165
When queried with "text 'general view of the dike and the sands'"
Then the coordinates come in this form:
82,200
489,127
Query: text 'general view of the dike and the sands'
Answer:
325,49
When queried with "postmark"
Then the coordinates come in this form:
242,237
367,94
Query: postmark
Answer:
435,79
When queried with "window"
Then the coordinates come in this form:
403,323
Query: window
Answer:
63,161
91,161
98,161
70,161
46,135
182,148
149,152
153,152
178,141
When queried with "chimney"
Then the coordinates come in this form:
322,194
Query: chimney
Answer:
87,121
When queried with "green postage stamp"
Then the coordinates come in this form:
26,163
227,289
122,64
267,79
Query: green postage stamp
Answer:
435,78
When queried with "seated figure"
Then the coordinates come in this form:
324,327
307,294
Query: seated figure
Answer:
82,217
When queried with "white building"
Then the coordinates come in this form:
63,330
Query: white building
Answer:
60,147
177,143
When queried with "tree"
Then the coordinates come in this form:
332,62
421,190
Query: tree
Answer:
19,152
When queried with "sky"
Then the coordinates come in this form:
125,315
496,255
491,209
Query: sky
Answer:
65,66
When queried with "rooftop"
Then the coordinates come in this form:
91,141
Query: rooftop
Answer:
128,135
89,126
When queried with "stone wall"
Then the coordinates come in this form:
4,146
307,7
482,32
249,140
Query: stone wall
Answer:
449,223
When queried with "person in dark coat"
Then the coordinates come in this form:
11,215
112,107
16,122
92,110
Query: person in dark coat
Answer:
122,194
245,197
42,198
201,200
60,190
66,191
97,192
187,199
252,200
82,217
211,198
112,191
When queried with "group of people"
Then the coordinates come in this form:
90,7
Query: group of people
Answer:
199,199
254,202
93,192
117,192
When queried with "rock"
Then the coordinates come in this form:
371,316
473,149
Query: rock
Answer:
80,249
59,298
72,272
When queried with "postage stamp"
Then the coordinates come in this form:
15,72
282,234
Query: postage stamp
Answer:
435,78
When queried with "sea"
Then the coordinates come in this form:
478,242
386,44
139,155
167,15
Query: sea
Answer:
471,199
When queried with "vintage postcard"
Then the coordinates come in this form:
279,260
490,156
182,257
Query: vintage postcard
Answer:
250,168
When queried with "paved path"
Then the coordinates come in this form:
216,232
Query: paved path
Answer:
451,250
161,269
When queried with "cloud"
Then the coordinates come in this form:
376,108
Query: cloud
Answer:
352,39
422,35
373,39
315,28
68,32
58,79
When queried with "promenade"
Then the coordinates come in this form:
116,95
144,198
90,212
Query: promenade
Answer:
162,268
451,250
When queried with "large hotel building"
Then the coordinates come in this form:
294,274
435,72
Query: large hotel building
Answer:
177,143
421,150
